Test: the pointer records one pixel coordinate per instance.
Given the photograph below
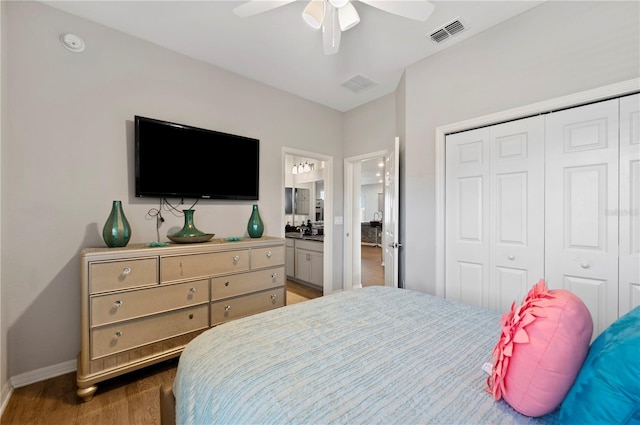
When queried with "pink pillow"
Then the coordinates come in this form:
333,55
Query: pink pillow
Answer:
543,344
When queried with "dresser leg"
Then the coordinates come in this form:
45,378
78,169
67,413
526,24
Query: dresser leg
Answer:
86,394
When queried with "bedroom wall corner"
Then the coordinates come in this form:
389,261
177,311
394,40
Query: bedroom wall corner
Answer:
5,387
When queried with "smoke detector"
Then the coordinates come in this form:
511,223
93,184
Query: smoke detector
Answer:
72,42
446,31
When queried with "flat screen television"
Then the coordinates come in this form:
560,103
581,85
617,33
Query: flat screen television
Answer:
180,161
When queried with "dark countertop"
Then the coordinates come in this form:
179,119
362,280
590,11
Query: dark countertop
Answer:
297,235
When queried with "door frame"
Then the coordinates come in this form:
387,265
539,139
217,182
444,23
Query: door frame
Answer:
563,102
327,268
351,189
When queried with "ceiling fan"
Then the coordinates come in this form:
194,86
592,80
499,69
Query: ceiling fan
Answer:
335,16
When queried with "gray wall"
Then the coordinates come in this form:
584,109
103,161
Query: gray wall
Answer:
555,49
67,153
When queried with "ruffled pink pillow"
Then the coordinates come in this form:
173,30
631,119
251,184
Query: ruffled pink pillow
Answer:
543,344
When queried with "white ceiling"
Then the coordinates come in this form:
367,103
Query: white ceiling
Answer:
279,49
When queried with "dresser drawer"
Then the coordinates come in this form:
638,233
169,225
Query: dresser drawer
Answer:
267,257
246,305
200,265
123,336
122,274
244,283
112,308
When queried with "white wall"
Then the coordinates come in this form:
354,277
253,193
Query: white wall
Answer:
555,49
370,194
370,127
68,152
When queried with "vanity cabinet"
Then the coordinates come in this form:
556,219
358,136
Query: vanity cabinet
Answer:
142,305
309,261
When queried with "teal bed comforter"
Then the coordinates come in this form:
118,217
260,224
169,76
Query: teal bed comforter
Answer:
375,355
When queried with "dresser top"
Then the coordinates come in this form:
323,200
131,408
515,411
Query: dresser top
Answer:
216,244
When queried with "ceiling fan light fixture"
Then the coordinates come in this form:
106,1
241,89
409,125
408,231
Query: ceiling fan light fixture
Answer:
313,14
348,17
339,3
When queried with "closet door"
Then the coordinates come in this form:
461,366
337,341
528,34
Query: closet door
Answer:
516,210
581,221
467,212
494,210
629,203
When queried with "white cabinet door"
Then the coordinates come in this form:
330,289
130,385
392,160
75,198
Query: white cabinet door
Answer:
467,212
581,203
516,211
629,203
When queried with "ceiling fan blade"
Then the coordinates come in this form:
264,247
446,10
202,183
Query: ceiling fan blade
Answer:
418,10
254,7
331,31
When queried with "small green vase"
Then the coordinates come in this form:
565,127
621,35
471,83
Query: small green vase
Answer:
116,231
255,226
189,229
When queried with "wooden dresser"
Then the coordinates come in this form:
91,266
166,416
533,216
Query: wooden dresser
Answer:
142,305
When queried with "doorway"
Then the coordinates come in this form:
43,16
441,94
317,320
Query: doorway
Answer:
307,204
364,215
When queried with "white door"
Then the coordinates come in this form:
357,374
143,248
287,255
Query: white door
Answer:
391,242
629,203
467,211
494,213
581,203
516,211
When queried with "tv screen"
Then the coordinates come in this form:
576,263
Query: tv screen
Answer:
179,161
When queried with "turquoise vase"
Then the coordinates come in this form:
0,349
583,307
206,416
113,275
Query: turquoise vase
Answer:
116,231
189,229
255,226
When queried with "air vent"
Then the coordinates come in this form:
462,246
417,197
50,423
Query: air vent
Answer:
446,31
359,83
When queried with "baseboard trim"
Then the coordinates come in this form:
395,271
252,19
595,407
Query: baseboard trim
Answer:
5,396
43,373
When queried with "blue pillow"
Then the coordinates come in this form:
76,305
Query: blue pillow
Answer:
607,389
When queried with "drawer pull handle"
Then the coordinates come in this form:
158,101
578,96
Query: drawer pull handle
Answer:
227,307
273,297
126,271
118,334
511,257
117,304
274,275
191,316
226,283
584,265
269,254
235,259
193,290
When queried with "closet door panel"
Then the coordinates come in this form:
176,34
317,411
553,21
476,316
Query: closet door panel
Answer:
516,210
581,201
467,210
629,203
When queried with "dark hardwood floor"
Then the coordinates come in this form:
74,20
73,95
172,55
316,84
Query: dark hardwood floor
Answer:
131,399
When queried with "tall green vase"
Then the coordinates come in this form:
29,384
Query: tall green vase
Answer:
116,231
255,226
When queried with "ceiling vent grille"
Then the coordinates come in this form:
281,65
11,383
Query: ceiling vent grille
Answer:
446,31
359,83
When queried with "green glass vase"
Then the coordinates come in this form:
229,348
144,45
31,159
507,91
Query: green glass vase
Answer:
189,229
255,226
116,231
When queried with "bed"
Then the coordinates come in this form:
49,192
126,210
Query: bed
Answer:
371,355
